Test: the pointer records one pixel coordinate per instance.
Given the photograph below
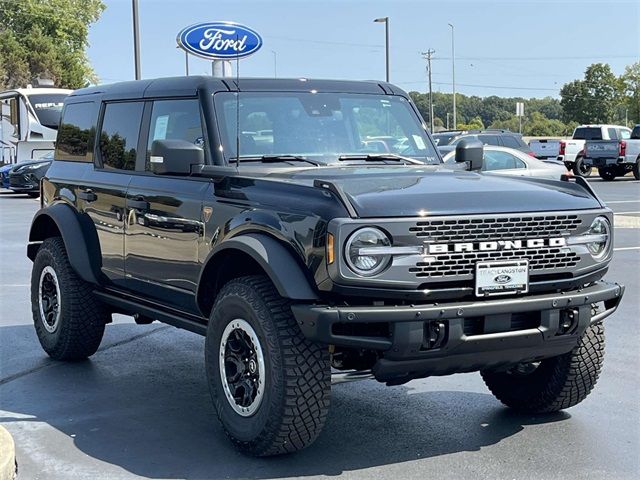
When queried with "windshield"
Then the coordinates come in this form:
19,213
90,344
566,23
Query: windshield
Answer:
48,107
321,126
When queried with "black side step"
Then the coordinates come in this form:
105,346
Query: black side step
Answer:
157,312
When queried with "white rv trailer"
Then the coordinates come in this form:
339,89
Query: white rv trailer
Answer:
29,122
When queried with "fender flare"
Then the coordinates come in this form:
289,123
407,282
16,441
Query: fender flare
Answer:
78,234
273,257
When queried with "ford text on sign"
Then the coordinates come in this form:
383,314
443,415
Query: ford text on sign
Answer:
219,40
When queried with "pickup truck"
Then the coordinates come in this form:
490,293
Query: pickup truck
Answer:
545,148
572,151
614,158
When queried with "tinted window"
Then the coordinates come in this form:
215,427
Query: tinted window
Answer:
635,134
77,132
444,138
489,139
119,135
175,120
48,107
613,133
587,133
497,160
512,142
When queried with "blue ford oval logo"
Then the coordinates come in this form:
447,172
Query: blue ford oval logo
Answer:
219,40
502,279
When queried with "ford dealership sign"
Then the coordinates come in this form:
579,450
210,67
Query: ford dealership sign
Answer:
219,40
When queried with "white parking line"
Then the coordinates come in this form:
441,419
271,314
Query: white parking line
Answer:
626,213
622,201
619,249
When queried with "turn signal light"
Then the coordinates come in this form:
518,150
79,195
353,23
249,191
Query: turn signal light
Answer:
331,253
623,148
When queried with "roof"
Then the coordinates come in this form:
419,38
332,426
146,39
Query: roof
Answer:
187,86
34,91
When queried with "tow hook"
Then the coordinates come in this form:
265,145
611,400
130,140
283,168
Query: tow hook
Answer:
434,335
569,319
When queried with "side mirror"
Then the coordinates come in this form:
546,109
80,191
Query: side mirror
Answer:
174,157
471,152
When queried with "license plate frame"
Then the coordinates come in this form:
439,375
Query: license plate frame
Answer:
488,283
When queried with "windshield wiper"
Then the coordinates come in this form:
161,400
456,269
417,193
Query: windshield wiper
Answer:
274,159
377,157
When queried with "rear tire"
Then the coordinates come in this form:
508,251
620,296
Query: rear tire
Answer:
636,169
279,403
68,319
556,383
580,169
607,174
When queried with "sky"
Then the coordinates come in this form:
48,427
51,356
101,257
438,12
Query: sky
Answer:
506,48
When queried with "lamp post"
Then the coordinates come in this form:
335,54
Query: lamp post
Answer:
275,64
136,39
186,61
385,20
453,73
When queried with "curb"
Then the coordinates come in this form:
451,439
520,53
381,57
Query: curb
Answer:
7,456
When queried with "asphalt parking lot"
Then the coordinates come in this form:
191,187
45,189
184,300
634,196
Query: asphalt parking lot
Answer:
140,408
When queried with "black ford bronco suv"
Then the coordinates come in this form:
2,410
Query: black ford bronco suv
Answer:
304,226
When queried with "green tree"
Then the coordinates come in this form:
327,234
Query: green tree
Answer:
594,99
46,38
630,86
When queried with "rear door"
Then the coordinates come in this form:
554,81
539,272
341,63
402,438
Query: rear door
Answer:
164,228
104,200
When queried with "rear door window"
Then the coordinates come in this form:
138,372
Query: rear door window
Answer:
613,133
119,135
498,160
624,134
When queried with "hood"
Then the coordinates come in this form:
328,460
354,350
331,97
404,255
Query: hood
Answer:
18,166
407,191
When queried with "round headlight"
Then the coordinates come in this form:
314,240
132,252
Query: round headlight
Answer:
361,254
600,228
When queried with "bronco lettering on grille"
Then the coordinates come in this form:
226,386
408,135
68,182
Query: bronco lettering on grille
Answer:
492,246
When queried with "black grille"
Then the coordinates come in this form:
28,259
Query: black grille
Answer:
454,264
495,228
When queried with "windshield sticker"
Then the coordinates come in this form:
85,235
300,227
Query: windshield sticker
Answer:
419,142
160,132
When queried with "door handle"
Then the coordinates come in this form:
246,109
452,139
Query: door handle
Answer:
87,196
137,204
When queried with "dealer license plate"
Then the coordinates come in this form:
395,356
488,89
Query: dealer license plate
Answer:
502,277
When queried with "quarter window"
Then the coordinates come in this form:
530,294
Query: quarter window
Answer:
510,142
119,135
77,132
175,120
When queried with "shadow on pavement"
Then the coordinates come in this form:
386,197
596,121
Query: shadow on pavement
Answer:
144,406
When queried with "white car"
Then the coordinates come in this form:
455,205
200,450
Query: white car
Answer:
508,161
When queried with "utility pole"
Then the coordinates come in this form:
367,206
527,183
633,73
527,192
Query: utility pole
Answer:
453,73
136,39
427,56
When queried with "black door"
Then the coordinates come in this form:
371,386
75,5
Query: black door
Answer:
105,200
164,226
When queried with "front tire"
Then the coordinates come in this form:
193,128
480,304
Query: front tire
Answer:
68,319
608,174
580,169
555,383
270,385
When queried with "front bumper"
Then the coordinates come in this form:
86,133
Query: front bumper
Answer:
23,183
473,335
